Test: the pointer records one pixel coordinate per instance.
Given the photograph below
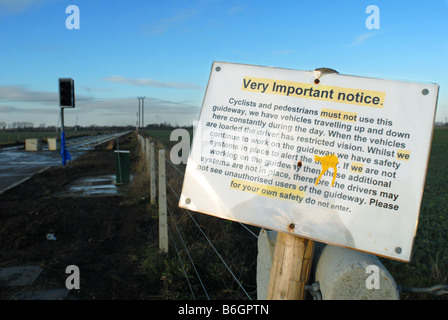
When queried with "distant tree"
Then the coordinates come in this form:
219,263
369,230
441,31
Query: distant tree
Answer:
22,125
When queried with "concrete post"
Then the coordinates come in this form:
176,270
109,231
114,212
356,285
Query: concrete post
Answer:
147,153
152,173
142,145
139,138
163,221
266,248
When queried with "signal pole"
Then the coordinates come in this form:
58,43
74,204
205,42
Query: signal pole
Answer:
66,100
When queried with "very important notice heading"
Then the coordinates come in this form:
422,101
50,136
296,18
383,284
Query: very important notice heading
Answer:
343,159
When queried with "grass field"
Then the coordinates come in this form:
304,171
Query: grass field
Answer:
20,137
429,263
164,136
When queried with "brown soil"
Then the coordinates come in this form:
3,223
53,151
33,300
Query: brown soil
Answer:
103,236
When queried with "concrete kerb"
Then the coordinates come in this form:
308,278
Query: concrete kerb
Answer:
343,274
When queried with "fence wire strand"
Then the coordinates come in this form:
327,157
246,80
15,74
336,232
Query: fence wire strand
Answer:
188,254
181,263
205,236
211,244
184,245
183,174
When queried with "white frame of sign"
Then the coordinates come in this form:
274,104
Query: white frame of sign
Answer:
340,158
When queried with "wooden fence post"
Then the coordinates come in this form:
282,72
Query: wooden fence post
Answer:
163,224
290,267
152,173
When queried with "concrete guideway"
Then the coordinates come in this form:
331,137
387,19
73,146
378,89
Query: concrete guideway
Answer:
92,141
18,165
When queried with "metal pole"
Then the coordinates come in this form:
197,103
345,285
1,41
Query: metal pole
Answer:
138,114
64,153
143,113
62,120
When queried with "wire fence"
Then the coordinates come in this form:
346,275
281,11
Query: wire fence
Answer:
183,244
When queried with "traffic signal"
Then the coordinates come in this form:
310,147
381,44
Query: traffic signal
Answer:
66,93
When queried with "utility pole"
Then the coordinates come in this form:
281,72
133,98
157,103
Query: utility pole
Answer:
138,114
141,114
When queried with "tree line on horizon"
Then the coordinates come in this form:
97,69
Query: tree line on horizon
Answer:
21,126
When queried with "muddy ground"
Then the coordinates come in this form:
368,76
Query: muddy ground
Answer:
103,236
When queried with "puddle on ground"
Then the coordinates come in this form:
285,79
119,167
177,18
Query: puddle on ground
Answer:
98,186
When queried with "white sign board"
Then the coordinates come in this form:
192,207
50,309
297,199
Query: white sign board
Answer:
340,160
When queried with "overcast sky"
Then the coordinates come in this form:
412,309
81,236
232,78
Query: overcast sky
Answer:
164,50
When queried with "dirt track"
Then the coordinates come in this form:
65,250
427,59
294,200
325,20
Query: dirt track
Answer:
102,236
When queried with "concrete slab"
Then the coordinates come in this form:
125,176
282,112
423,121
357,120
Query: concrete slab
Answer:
19,276
345,274
56,294
98,186
54,144
33,145
341,273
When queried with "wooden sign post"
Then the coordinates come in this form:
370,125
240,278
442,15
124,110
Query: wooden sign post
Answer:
290,267
293,257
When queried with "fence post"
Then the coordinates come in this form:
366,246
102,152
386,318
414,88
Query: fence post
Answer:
139,138
152,173
163,224
291,267
147,153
